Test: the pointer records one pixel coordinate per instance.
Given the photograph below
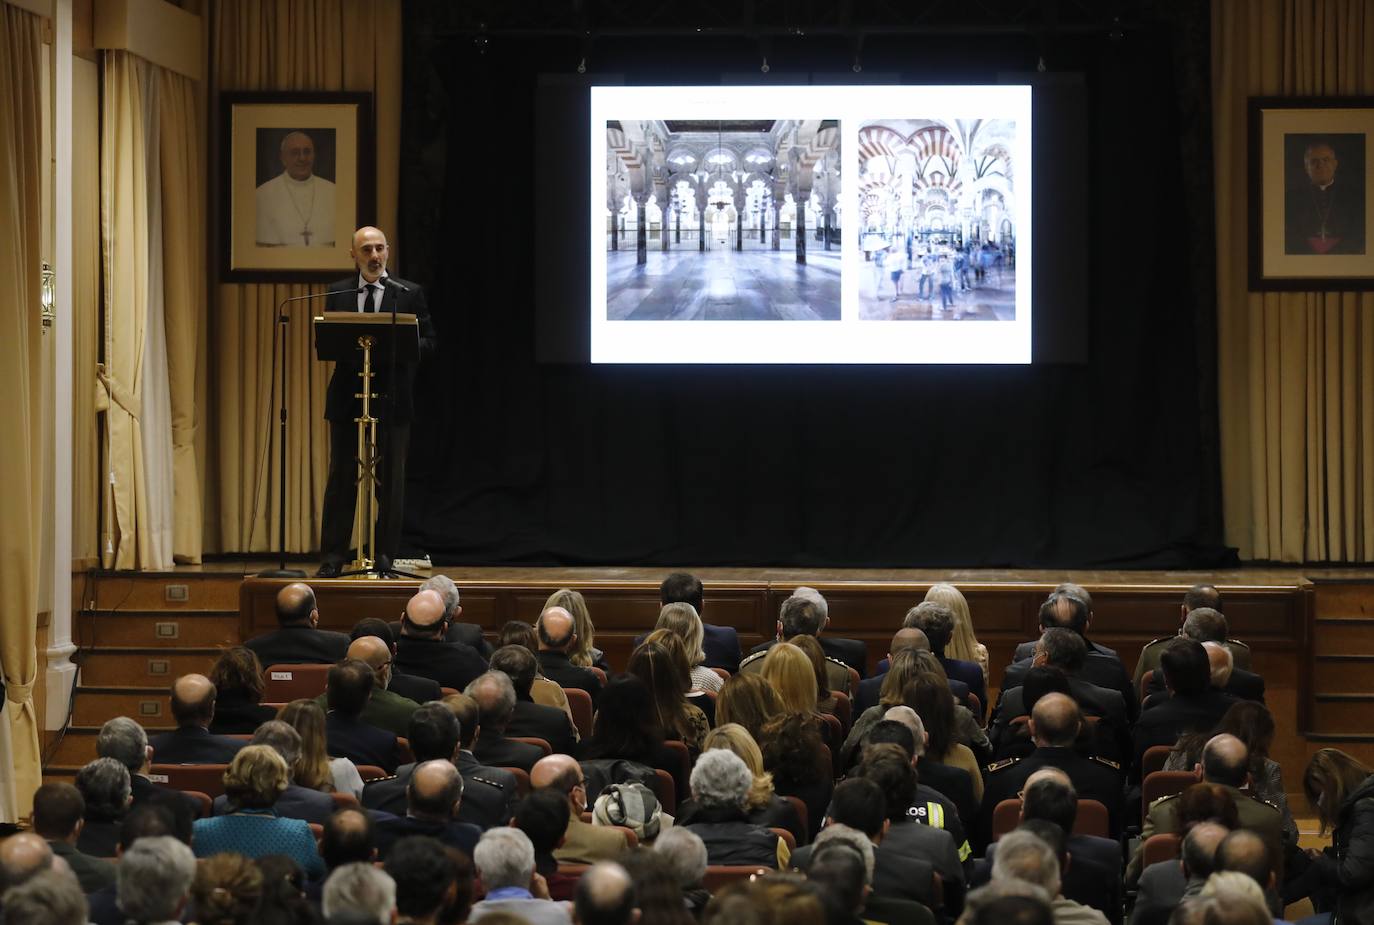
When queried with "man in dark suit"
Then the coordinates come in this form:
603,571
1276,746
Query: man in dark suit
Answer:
127,742
531,719
57,817
490,793
1193,705
1054,724
433,796
806,613
720,643
1026,649
1065,650
370,290
385,709
1165,884
1083,879
296,802
409,686
193,707
422,651
556,632
345,734
299,641
937,622
495,697
469,634
1239,683
433,736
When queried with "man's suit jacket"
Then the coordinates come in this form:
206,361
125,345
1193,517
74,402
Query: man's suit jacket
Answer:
388,794
351,738
1149,656
1163,724
971,675
584,843
93,874
1092,778
419,690
489,794
385,709
1243,684
469,634
1161,888
299,644
1111,739
934,846
896,876
1087,881
497,751
557,668
403,296
449,664
956,786
1100,670
296,802
193,745
1264,819
548,723
853,652
453,833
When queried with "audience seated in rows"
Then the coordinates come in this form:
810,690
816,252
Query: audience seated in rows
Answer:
433,796
937,622
583,842
494,695
385,709
58,812
806,613
1193,704
298,640
1237,682
558,639
126,741
529,718
193,709
542,691
720,644
490,792
409,686
347,733
105,789
583,653
1197,597
682,620
295,802
931,804
721,784
661,663
422,649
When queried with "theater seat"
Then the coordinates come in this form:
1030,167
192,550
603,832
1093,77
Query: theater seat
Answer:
1154,759
205,805
537,742
665,790
522,781
1092,818
371,772
206,778
1163,784
286,683
580,705
1162,847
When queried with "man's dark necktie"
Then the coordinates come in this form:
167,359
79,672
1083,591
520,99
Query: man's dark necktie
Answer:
370,305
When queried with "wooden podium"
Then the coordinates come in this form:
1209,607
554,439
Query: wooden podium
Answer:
392,338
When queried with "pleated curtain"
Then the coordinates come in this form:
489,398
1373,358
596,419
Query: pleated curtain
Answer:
21,386
1295,370
334,45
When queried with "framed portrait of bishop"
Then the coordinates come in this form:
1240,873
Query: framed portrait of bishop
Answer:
296,180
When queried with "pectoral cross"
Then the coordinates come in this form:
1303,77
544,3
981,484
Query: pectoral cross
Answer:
305,236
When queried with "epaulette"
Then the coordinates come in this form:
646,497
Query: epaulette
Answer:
1004,763
1156,802
491,783
752,658
1107,761
1236,642
1160,639
378,780
844,665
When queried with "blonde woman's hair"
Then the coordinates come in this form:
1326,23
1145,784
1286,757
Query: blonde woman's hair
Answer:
574,603
963,644
790,672
255,778
747,699
735,738
312,767
682,619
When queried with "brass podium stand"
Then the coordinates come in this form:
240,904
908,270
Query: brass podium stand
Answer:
337,336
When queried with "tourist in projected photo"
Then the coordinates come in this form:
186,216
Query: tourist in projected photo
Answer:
1324,202
938,199
723,220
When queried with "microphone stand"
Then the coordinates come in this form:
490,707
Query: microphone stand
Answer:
283,320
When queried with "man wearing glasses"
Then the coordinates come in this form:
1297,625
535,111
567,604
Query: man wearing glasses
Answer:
385,709
583,843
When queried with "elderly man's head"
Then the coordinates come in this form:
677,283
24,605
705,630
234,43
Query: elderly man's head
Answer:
1066,609
802,614
495,697
686,854
298,155
1055,721
1022,855
193,701
376,654
448,590
1319,160
563,774
908,637
126,742
296,605
1199,849
1225,760
21,857
721,780
280,737
1205,624
155,876
605,895
1049,795
935,620
52,897
1222,663
424,616
504,857
435,791
556,629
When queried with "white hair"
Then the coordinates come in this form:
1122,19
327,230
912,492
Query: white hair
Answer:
1025,856
839,834
504,857
125,741
52,897
154,876
360,887
447,590
1221,674
1232,886
811,594
912,720
721,778
685,853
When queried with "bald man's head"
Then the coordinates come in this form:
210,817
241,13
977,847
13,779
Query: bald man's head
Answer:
1199,849
563,774
1225,761
605,895
425,615
22,856
376,654
1245,851
1222,663
556,629
193,700
1055,721
1058,775
434,791
296,605
908,637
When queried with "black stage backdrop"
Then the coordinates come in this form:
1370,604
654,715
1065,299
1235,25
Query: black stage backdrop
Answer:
1109,463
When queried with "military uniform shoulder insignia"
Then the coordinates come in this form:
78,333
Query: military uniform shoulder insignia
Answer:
1155,642
1156,802
1107,761
752,658
377,780
834,660
490,783
1000,765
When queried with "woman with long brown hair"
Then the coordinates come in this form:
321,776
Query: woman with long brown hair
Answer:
1340,790
661,663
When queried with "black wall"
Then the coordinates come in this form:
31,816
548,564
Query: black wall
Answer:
1108,463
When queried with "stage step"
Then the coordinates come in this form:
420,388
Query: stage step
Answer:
166,592
149,706
144,667
101,629
78,745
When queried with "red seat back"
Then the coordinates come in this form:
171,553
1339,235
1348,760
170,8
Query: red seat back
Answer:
206,778
285,683
580,705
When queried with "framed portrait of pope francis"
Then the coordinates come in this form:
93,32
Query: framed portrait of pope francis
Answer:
297,179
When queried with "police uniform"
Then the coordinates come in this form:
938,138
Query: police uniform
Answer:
1093,778
1260,816
1149,656
934,809
836,671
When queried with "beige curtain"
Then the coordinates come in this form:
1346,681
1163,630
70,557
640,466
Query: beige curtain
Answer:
151,222
85,283
1295,370
20,384
288,45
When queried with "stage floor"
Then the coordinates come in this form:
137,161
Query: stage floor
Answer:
1266,574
